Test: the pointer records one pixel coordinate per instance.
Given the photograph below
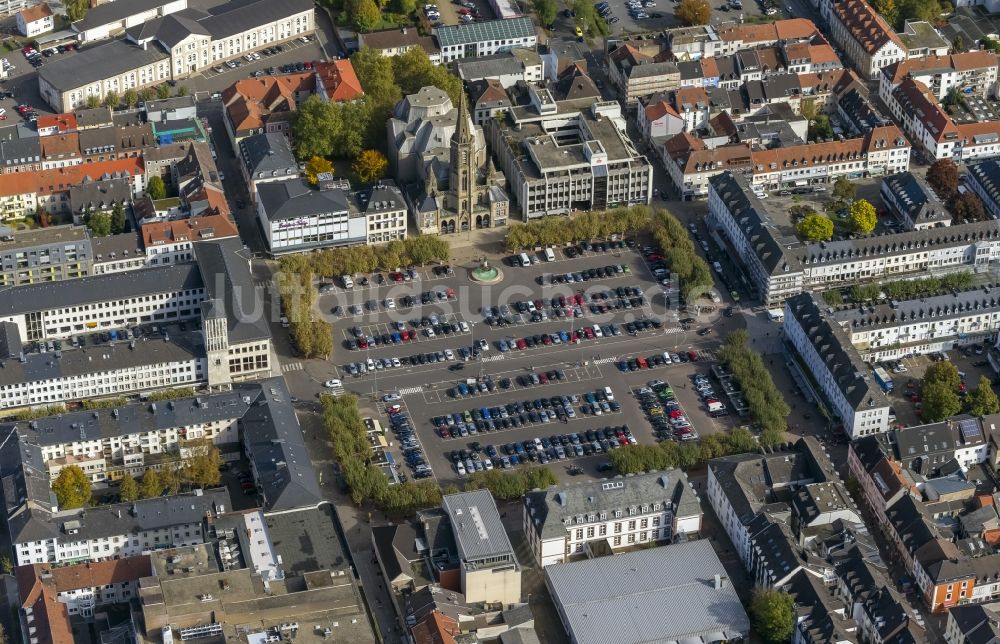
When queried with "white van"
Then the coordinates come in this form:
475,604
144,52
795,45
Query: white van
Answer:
525,260
607,392
347,281
550,255
715,406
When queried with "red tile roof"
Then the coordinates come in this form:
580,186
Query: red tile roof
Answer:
60,179
38,587
64,122
39,11
914,98
866,25
792,29
436,628
250,103
60,146
658,110
339,80
193,229
958,62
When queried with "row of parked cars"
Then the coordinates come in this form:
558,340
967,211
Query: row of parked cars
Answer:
656,360
665,414
402,427
484,385
520,414
543,449
586,275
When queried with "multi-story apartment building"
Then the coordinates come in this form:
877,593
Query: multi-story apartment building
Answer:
265,158
560,157
707,42
22,193
172,47
134,437
937,323
115,531
864,35
824,349
51,254
915,203
266,104
656,507
983,178
485,38
111,19
173,241
973,72
913,105
52,596
216,290
637,74
691,165
780,265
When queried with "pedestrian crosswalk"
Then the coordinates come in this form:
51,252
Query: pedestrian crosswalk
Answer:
291,366
261,283
604,360
408,391
499,356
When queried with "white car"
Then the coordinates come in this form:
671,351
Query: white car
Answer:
336,383
484,345
396,362
464,326
460,466
429,333
597,332
449,354
390,304
391,397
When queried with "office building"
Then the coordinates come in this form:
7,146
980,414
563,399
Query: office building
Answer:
564,523
586,162
485,38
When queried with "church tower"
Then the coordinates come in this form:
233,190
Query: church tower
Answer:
462,177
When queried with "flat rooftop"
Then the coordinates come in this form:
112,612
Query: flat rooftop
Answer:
54,235
308,540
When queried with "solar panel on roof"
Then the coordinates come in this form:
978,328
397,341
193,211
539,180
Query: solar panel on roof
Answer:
970,429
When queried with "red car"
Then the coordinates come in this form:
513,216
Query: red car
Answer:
362,343
307,65
693,356
396,277
412,333
589,332
578,299
546,340
542,378
522,345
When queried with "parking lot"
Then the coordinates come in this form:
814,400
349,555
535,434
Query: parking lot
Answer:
566,359
905,396
291,52
661,15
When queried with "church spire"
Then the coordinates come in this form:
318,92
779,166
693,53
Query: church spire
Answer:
463,132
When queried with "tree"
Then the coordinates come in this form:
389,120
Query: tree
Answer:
147,94
43,217
772,615
404,7
72,488
844,189
130,98
982,400
820,128
944,373
170,480
129,490
150,487
316,166
77,9
370,166
182,90
99,224
119,222
693,12
93,101
203,467
966,206
156,188
111,100
953,98
943,177
413,69
816,228
833,297
546,11
163,91
5,567
315,126
939,402
888,10
364,15
864,218
918,10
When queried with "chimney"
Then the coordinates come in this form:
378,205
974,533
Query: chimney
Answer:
720,582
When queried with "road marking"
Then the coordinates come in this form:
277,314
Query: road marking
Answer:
493,358
291,366
408,391
605,360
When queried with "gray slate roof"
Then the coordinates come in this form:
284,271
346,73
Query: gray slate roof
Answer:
225,265
115,11
938,309
664,594
476,524
495,66
295,198
15,151
43,296
268,155
549,508
840,356
130,419
98,63
275,443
